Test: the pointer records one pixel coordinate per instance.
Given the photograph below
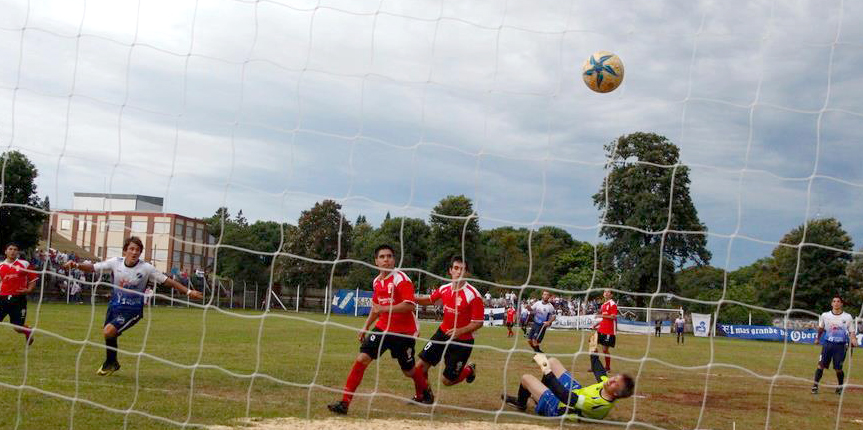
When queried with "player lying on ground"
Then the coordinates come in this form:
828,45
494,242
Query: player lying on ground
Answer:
126,308
393,307
836,329
558,393
16,281
463,315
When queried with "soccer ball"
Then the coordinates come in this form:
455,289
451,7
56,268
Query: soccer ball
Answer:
602,72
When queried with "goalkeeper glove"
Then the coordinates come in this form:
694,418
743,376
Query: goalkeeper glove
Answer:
542,361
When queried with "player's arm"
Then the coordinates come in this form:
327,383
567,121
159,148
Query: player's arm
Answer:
424,300
818,336
85,267
597,368
370,320
181,288
550,320
31,283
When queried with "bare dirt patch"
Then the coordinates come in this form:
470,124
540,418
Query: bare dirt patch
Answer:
356,424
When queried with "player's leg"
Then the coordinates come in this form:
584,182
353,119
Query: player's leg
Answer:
823,363
531,388
369,351
429,357
838,359
18,315
116,322
457,368
562,375
402,349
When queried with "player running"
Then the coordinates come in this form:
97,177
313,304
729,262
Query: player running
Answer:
607,326
463,315
510,320
524,318
126,308
393,305
558,393
838,329
16,281
543,316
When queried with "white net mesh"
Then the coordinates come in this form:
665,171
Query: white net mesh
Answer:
386,108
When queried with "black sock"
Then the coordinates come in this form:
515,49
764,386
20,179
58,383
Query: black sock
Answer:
840,376
818,373
523,395
111,354
536,349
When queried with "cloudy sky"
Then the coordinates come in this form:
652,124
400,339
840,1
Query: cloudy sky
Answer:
389,106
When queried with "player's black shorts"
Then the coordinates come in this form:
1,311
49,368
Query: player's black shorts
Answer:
537,332
509,324
832,352
122,319
456,355
15,307
401,347
608,340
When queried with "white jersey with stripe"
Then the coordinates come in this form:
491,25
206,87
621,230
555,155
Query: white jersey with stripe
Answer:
130,282
837,328
542,311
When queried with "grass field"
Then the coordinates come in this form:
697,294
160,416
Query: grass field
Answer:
286,360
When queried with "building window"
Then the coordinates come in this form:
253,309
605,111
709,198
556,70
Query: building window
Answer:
190,234
160,254
199,235
65,224
114,251
116,225
139,226
99,252
178,229
176,259
161,228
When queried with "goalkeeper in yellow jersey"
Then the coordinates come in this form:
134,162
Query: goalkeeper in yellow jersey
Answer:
558,393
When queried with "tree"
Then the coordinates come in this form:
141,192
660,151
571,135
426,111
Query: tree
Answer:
636,212
364,240
240,219
854,271
20,224
503,255
46,204
452,236
322,234
821,272
361,219
215,222
584,266
707,283
547,243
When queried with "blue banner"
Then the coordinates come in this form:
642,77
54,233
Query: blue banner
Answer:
763,332
347,302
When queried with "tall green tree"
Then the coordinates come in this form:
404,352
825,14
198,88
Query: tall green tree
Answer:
644,180
854,271
503,256
364,239
821,272
322,234
20,224
707,283
584,265
546,244
452,236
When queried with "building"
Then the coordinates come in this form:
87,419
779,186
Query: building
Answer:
99,223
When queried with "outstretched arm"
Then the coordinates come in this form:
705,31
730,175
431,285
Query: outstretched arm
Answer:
597,368
181,288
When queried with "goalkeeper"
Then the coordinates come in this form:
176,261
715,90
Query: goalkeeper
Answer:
558,393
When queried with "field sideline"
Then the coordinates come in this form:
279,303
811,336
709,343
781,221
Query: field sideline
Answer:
287,360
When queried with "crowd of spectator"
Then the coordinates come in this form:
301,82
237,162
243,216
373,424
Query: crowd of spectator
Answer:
562,306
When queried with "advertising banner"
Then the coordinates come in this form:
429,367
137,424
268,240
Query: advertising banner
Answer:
701,324
345,301
763,332
494,316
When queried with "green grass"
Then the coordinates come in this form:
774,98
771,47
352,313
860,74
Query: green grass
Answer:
286,361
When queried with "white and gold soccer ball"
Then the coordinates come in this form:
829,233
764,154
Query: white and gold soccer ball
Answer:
602,72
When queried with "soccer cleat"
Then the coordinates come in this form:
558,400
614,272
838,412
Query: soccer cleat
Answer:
470,378
29,339
814,389
513,401
340,407
839,390
428,396
108,368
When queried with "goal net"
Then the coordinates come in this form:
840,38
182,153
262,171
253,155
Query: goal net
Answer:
287,140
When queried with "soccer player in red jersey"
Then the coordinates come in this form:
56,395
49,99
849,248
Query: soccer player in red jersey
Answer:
453,340
510,320
607,326
393,307
16,281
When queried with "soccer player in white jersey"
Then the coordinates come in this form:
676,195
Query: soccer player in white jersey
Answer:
543,316
838,329
126,308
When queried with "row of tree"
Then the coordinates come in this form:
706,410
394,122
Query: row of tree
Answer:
653,242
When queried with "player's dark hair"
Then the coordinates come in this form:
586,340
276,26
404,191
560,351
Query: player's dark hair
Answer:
382,247
133,239
837,296
15,244
628,386
458,259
